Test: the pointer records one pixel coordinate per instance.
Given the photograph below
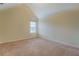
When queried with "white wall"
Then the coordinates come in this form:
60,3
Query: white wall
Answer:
61,27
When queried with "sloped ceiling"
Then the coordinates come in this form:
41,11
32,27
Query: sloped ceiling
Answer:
44,9
41,10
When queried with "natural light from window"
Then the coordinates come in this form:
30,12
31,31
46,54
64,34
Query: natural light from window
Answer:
32,27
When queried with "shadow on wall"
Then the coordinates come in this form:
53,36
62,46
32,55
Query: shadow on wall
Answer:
61,27
15,23
68,19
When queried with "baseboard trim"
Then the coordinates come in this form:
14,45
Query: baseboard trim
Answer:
60,42
17,40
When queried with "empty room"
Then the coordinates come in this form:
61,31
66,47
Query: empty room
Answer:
39,29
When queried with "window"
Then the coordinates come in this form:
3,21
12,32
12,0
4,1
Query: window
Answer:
32,27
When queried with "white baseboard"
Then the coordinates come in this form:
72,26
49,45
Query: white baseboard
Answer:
61,42
18,40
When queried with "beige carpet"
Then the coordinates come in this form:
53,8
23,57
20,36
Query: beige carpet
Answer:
36,47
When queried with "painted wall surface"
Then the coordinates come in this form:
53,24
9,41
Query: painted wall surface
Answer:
61,27
14,24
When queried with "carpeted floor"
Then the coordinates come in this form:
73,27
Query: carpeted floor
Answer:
36,47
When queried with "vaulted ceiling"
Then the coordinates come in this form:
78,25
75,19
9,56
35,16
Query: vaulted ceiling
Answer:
44,9
41,10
